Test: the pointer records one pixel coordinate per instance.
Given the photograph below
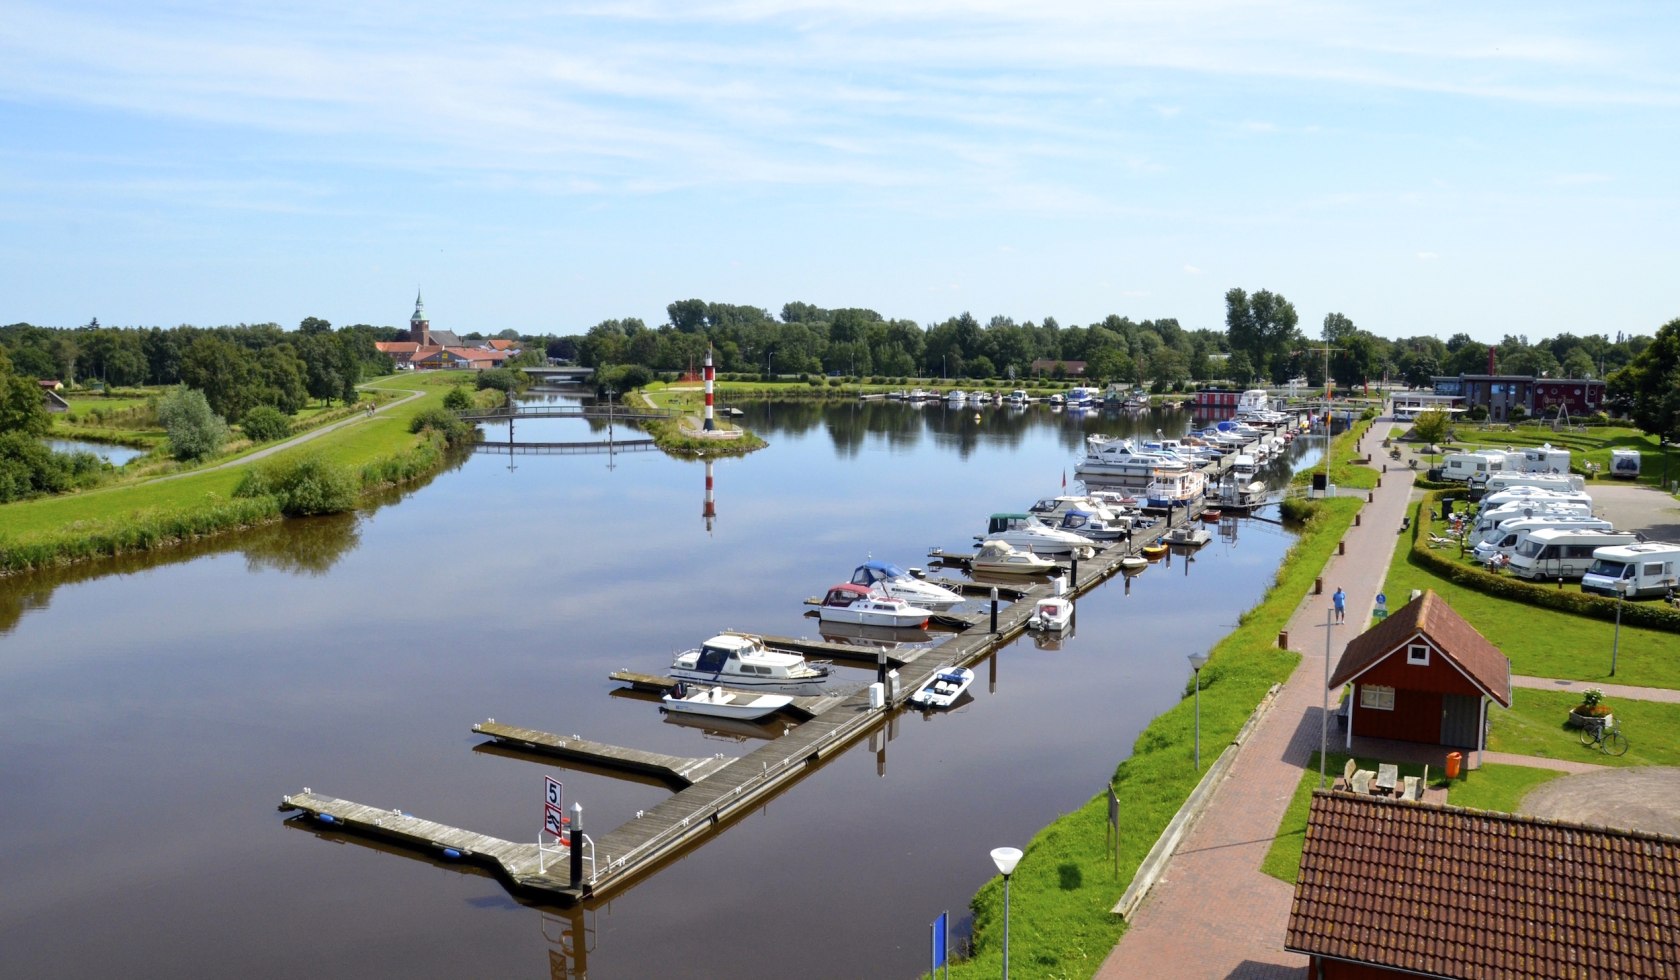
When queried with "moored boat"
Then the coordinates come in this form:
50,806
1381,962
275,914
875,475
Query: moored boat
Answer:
884,576
1134,563
944,688
743,658
1211,514
1054,613
1151,552
852,603
715,702
998,557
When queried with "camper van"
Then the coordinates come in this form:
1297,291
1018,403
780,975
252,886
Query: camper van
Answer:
1561,552
1509,534
1474,467
1624,463
1542,459
1648,569
1548,481
1488,522
1525,496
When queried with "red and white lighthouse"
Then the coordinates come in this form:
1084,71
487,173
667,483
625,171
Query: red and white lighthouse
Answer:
710,374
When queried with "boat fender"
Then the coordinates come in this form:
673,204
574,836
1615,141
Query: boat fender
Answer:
326,818
451,853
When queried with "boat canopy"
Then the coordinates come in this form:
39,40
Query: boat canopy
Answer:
845,594
873,571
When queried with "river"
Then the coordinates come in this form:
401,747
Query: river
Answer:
153,711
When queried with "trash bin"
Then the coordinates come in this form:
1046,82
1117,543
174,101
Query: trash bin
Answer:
1283,639
1454,760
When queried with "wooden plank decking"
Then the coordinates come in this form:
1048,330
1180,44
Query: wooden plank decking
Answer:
675,769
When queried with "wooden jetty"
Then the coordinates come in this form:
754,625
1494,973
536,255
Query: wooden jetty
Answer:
714,791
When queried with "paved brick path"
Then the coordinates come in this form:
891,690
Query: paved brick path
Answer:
1213,913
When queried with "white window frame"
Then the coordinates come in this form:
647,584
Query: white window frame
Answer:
1417,655
1375,697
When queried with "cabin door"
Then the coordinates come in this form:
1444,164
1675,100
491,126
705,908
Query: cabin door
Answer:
1460,714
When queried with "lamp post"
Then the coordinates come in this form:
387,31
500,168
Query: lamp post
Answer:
1621,591
1006,858
1197,662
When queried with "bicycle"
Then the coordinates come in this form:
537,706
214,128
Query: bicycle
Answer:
1610,742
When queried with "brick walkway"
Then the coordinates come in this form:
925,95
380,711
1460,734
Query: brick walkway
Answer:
1213,913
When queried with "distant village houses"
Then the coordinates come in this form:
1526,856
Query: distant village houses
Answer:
433,350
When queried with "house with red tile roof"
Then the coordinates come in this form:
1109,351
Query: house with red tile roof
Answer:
1393,888
430,349
1423,675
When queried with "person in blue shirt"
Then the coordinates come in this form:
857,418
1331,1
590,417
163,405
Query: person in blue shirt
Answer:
1340,601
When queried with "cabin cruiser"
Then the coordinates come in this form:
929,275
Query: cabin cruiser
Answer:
1253,400
1028,532
1018,397
1176,489
1052,508
883,576
848,603
743,659
1085,523
1235,495
956,396
1243,468
998,558
1110,459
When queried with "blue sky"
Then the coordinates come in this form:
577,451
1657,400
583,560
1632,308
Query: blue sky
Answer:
1422,168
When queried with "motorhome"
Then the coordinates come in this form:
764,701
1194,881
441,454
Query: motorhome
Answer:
1488,522
1648,568
1563,553
1624,463
1509,534
1549,481
1470,467
1523,496
1542,459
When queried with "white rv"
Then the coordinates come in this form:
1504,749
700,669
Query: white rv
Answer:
1509,534
1535,496
1488,522
1543,459
1547,481
1624,463
1473,467
1561,552
1648,569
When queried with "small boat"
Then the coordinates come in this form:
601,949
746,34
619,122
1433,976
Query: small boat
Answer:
1211,514
1023,530
1152,552
1051,614
944,688
1133,563
742,658
715,702
1187,535
999,557
882,576
851,603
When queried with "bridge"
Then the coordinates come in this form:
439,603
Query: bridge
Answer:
560,375
599,412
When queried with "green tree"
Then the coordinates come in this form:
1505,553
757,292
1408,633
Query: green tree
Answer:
1262,326
265,423
1649,387
457,400
194,430
22,406
314,325
1431,426
224,372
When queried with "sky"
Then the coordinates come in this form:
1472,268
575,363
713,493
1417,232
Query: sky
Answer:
1423,168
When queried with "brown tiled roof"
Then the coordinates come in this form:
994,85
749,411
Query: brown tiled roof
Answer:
1445,891
1430,615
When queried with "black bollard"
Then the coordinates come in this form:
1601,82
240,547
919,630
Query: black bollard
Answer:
1073,573
577,844
994,610
881,666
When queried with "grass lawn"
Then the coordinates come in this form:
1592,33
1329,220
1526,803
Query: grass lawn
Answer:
1492,787
1585,444
1534,725
1542,642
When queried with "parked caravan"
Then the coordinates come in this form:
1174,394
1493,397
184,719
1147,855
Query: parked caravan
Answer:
1473,467
1560,552
1525,496
1488,522
1648,568
1543,459
1509,534
1548,481
1624,463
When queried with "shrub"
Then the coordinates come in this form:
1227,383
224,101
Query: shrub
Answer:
194,430
457,400
442,421
265,424
28,468
302,487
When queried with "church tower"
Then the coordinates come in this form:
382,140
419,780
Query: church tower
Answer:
420,328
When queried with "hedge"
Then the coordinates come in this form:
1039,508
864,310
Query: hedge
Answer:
1650,615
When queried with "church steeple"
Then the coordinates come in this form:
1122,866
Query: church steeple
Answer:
420,328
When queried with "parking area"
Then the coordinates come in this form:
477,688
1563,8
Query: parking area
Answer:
1634,507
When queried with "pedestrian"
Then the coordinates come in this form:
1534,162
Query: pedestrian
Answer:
1340,602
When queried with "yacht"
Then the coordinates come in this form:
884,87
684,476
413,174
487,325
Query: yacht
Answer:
1028,533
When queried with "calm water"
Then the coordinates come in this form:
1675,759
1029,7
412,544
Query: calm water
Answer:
115,455
152,713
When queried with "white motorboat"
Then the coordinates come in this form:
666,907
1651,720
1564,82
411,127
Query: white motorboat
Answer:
1018,397
1096,528
715,702
1112,460
1236,496
1133,563
1025,531
956,396
850,603
885,577
742,658
944,688
1243,468
1055,613
998,557
1187,535
1176,489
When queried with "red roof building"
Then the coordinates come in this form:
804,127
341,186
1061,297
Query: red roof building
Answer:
1423,675
1390,888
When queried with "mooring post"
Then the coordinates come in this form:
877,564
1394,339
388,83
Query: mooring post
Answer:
994,609
577,844
881,667
1073,572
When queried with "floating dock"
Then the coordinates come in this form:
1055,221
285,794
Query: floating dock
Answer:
711,792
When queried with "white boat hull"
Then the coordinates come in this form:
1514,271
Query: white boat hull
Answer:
718,703
944,688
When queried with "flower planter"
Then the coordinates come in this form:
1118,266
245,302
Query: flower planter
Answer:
1580,720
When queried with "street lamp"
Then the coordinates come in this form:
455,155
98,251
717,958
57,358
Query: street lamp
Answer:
1197,662
1006,858
1621,591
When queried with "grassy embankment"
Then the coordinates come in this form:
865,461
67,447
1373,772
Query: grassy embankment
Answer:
1586,445
155,513
1064,887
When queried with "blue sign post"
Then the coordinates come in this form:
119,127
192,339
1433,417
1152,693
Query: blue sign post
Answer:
941,930
1382,606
